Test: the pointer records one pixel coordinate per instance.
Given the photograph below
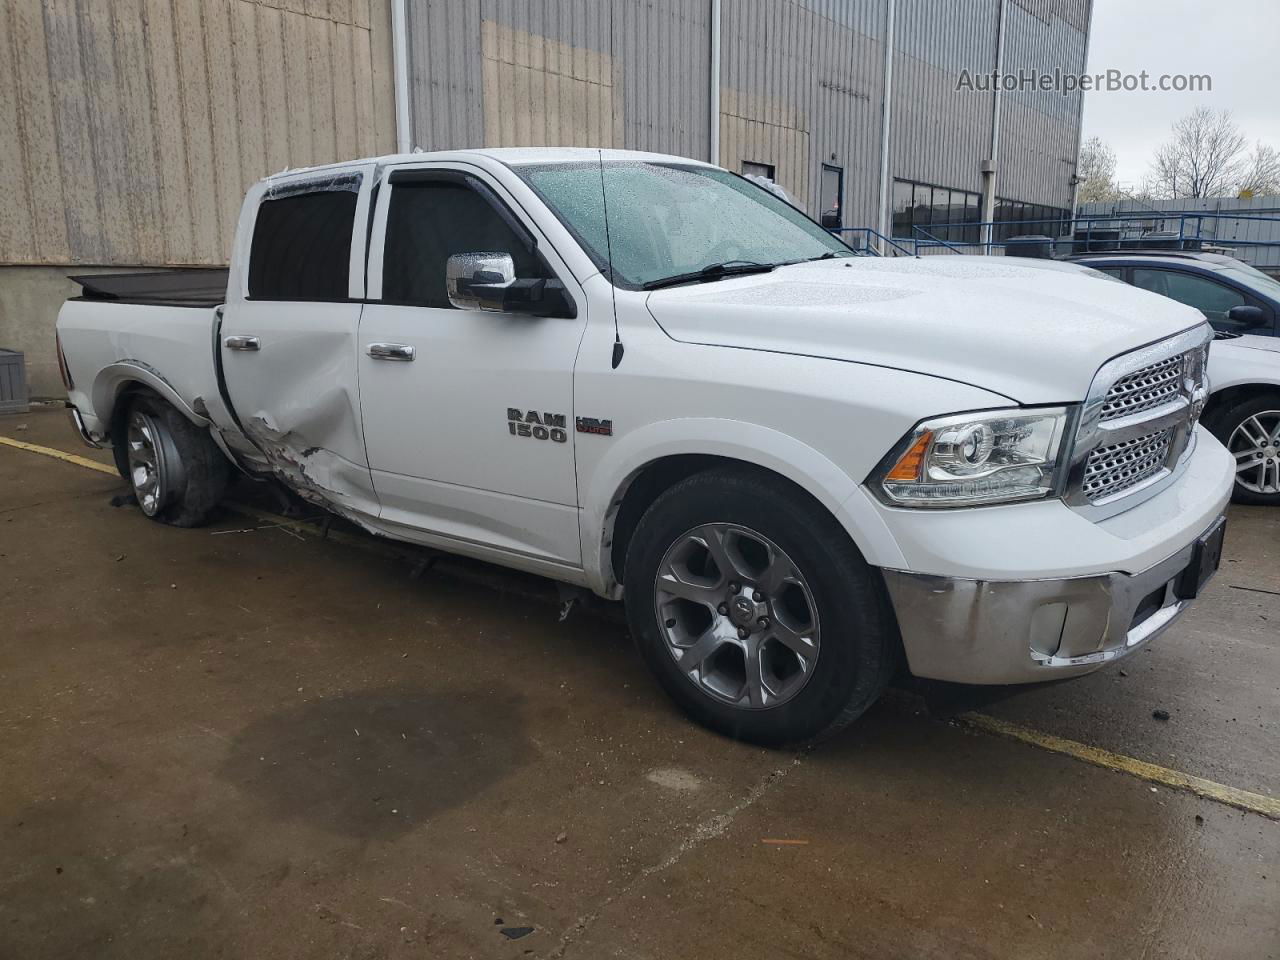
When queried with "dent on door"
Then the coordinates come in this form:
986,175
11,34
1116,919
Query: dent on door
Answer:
313,440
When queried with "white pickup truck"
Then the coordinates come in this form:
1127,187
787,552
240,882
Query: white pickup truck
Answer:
651,378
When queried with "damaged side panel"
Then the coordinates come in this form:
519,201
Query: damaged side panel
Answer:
297,399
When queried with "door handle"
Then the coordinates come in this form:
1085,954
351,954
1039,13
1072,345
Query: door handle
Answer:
391,351
241,343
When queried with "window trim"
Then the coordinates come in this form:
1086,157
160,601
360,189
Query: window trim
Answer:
511,212
361,176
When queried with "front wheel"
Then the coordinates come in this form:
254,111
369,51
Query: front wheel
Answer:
1250,430
177,473
755,611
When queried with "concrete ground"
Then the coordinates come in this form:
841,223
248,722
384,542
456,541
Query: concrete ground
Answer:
241,742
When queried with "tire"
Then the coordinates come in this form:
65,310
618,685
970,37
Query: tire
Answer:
177,472
809,622
1241,429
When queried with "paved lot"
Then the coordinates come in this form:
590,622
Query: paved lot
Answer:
251,744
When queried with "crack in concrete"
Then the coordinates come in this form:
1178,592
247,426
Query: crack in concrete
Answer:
709,829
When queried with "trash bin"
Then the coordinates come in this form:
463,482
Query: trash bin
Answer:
13,382
1032,245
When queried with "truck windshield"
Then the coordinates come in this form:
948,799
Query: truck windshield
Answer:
669,220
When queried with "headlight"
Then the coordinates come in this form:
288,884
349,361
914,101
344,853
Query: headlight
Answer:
976,458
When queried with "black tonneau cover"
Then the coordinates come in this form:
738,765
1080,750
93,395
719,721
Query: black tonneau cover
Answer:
204,287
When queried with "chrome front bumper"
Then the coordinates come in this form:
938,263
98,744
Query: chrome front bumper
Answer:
1024,631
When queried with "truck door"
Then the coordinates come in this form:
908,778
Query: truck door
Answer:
468,414
287,342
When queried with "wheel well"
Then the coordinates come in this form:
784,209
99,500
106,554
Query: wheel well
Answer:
654,479
1224,400
120,418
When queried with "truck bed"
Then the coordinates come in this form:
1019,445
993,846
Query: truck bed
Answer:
201,287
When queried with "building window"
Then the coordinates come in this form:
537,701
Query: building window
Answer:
1016,218
831,198
922,211
752,169
301,248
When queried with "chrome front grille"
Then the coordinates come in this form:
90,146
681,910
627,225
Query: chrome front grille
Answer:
1116,467
1138,422
1153,386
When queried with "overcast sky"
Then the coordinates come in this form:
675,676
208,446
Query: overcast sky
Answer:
1236,42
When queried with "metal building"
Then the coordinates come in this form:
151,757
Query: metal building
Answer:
135,125
792,89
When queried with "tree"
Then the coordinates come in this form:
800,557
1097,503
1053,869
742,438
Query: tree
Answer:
1202,159
1096,171
1261,177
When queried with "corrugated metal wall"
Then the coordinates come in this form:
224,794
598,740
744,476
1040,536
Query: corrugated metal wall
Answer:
1038,129
941,134
133,127
801,85
561,73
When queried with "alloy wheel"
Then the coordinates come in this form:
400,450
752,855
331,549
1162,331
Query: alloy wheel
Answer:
146,452
737,615
1255,443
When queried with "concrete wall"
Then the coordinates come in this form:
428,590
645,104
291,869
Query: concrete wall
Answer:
130,129
133,127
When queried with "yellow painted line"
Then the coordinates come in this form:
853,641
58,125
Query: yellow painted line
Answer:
60,455
1152,773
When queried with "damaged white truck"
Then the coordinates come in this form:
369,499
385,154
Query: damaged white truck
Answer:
649,377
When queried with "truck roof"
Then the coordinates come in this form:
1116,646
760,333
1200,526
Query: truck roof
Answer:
507,155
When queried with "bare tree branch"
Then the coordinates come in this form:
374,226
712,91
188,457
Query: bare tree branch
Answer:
1097,172
1261,177
1202,159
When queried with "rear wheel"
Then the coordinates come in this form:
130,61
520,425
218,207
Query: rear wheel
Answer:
1250,430
755,611
177,473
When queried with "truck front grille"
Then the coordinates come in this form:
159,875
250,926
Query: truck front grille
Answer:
1152,386
1139,420
1118,466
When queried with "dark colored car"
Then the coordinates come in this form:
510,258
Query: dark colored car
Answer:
1236,297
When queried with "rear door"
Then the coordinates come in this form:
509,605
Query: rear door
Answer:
468,414
288,338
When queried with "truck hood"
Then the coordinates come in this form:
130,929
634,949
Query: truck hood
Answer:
1033,335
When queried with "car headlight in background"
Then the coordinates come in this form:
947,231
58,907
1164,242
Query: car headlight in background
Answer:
971,459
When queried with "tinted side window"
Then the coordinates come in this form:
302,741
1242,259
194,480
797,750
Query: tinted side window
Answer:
429,221
1211,298
302,246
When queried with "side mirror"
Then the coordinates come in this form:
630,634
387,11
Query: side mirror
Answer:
1247,317
479,281
487,281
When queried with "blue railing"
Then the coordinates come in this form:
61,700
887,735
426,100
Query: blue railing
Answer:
1113,231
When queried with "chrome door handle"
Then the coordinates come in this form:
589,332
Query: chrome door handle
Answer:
241,343
391,351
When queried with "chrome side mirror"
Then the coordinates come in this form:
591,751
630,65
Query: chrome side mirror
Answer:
479,281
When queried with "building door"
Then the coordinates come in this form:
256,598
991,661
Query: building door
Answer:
831,197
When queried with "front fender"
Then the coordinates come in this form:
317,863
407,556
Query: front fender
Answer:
734,440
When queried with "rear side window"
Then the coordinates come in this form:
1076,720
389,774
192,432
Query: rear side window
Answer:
302,246
428,221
